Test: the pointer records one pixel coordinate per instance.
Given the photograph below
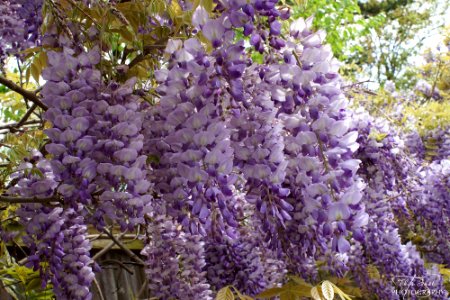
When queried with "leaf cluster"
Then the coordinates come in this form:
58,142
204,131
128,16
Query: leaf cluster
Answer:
19,281
295,289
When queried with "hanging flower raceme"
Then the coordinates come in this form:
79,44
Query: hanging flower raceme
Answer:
242,262
391,192
71,83
432,211
96,141
269,106
258,144
122,169
319,170
194,172
175,262
55,237
20,21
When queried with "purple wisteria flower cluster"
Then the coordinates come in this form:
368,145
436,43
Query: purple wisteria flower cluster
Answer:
95,140
20,22
240,173
176,262
95,145
391,197
433,210
55,236
221,126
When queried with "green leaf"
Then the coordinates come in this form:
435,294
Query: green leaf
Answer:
35,71
37,172
269,293
315,293
34,284
327,290
126,34
341,293
207,4
300,291
240,295
27,75
373,272
225,294
153,159
300,281
257,57
288,295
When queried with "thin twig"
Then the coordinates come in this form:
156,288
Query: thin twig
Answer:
297,59
26,115
15,126
100,293
12,183
27,94
106,248
147,50
118,262
357,83
12,200
142,290
22,261
125,249
399,195
93,237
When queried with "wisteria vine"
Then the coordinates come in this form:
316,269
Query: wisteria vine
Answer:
241,172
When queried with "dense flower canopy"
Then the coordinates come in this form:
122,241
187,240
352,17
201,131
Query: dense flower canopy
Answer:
239,171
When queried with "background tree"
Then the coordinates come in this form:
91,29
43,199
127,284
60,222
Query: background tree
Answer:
377,39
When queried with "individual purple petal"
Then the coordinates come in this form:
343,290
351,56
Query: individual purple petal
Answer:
338,211
214,31
343,246
69,136
80,124
55,149
126,155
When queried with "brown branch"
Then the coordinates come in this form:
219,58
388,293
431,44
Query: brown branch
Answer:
83,12
297,59
147,50
27,94
118,262
14,200
14,126
399,195
26,115
142,290
12,183
125,53
106,248
124,248
356,83
100,293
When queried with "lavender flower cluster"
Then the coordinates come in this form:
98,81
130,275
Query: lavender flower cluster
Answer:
95,140
433,210
240,173
20,22
390,197
222,115
55,236
175,262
